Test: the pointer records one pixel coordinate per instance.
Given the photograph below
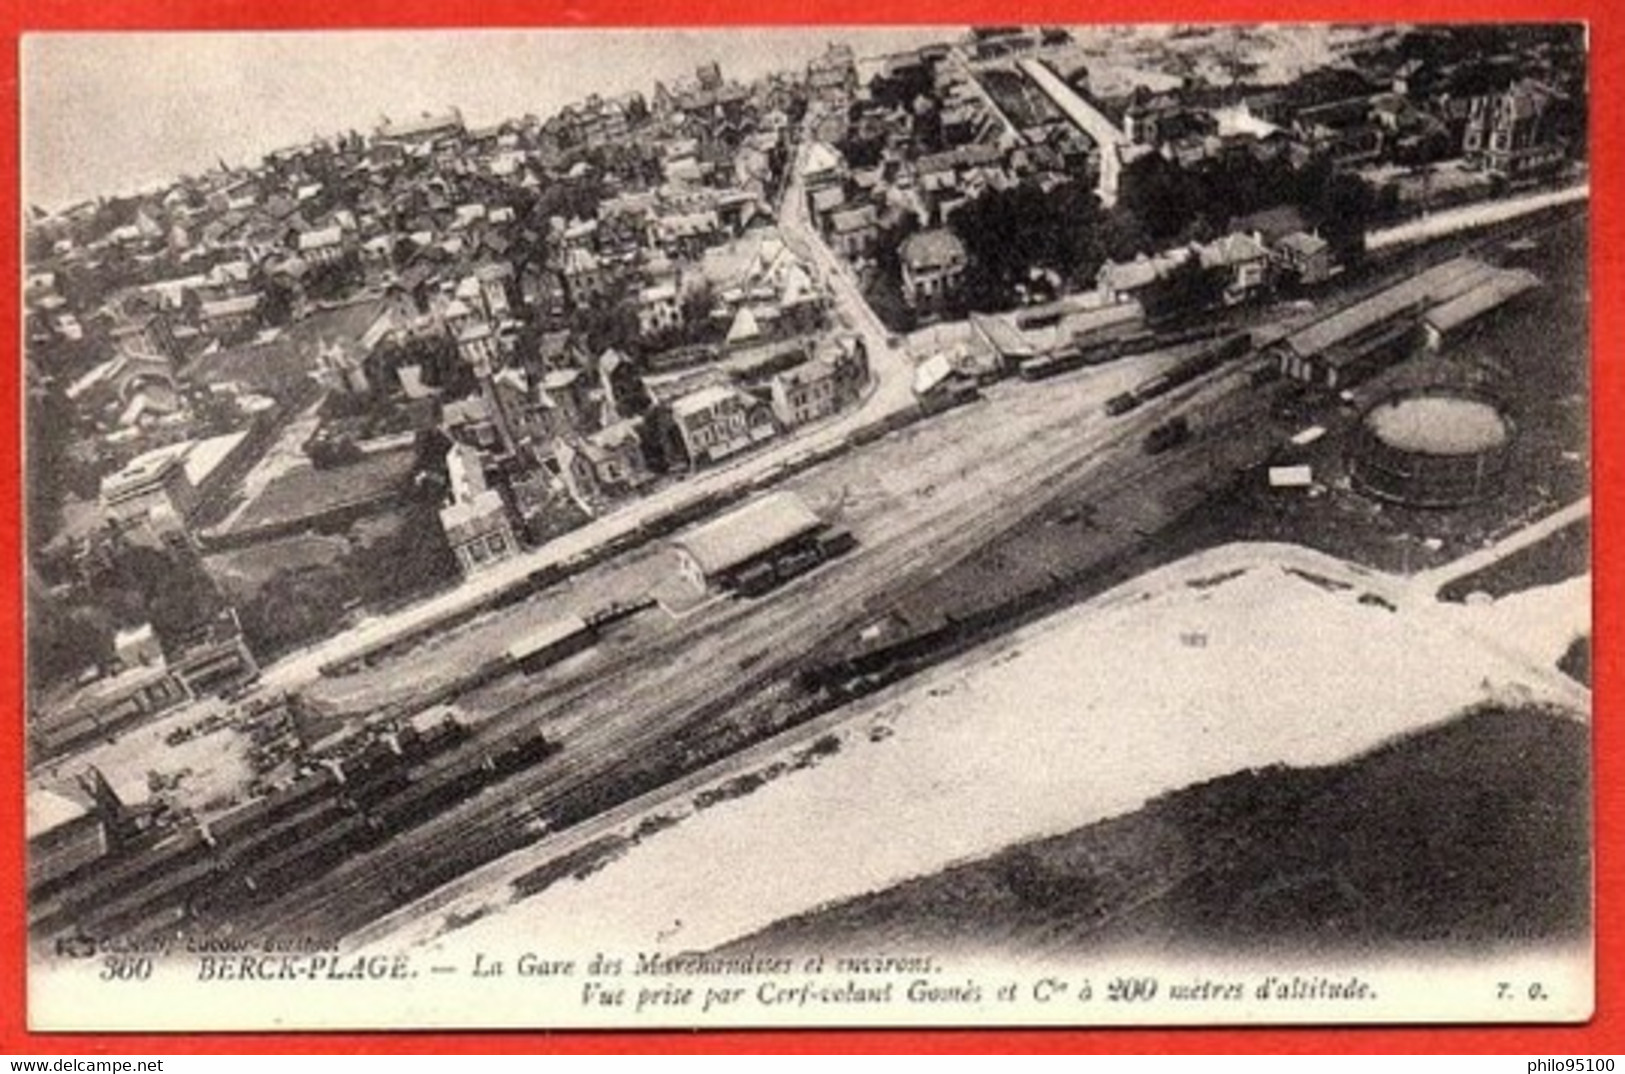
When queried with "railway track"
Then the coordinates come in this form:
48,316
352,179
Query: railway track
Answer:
666,696
680,701
664,705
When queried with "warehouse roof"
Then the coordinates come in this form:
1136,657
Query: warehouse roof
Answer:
932,372
748,532
1003,336
1086,323
1490,294
938,248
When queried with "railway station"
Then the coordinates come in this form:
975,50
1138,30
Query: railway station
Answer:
767,539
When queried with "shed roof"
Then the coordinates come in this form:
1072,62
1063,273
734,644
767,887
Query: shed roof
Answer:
937,248
1273,224
481,507
48,810
1235,248
1302,243
932,372
546,637
704,399
321,238
1003,337
748,532
230,307
854,219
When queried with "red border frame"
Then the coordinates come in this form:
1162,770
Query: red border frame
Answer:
1605,1033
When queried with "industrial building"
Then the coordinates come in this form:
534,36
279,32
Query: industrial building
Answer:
1435,447
66,836
1356,341
145,681
755,546
1446,322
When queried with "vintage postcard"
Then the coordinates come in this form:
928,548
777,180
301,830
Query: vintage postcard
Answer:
808,527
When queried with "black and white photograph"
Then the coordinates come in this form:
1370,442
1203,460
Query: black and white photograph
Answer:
827,526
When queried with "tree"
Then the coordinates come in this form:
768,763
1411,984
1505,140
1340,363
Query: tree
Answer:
410,560
901,89
1342,205
1122,236
335,280
332,452
1188,288
888,266
1174,204
575,198
863,152
49,429
65,639
430,478
698,325
277,299
443,368
171,590
611,321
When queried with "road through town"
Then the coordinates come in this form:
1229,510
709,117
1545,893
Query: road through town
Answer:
891,393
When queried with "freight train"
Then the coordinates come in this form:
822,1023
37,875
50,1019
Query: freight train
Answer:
393,783
763,577
1084,351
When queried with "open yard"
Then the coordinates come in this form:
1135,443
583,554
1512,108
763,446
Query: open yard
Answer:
304,492
1018,98
285,362
1534,355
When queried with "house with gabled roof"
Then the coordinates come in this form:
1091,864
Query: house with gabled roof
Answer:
1242,258
716,422
853,231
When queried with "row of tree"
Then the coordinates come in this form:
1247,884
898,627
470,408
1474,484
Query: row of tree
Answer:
125,582
1018,236
1175,204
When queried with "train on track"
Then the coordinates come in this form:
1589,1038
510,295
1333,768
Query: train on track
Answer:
1087,351
392,783
1203,362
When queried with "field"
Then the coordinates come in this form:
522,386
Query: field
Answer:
1471,833
1563,555
242,573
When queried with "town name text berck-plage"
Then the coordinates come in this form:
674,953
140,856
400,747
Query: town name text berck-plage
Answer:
305,968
